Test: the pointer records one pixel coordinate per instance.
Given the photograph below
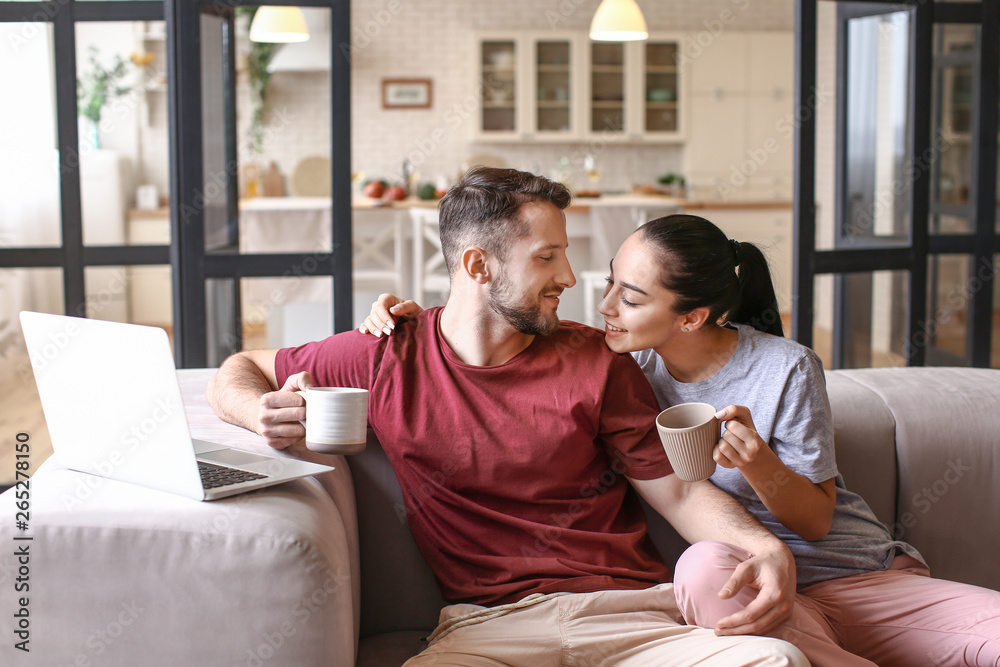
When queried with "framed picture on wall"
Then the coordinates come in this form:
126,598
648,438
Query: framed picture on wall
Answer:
406,93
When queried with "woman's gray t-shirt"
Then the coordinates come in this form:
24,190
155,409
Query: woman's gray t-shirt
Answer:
782,383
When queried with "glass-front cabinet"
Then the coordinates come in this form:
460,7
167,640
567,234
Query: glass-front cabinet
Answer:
498,87
528,85
660,88
635,90
553,69
564,87
608,87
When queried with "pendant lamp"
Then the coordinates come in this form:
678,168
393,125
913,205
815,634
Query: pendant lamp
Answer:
618,21
280,25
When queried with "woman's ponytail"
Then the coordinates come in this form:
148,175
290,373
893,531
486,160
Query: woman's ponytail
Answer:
757,305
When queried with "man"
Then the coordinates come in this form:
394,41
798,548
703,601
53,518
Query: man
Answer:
535,534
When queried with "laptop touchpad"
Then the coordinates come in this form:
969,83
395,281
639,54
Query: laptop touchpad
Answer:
233,457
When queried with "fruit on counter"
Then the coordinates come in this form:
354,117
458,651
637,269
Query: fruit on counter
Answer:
427,192
395,193
375,188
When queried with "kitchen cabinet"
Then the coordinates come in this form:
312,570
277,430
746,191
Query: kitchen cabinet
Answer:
659,95
721,67
740,111
771,230
609,64
528,84
716,134
551,86
635,90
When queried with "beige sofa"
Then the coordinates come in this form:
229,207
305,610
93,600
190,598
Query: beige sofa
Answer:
323,572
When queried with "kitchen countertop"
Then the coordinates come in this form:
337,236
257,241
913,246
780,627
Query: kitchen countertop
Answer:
584,204
579,204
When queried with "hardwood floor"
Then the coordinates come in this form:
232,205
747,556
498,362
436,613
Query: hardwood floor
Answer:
21,412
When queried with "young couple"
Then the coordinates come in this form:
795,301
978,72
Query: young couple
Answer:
529,415
699,314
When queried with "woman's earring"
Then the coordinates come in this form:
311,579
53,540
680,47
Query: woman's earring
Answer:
685,329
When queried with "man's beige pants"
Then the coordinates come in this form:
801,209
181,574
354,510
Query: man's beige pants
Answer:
641,627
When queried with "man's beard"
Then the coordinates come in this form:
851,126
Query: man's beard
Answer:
526,319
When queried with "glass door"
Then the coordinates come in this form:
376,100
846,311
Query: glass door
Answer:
263,209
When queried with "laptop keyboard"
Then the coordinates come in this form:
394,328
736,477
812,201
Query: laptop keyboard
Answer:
213,476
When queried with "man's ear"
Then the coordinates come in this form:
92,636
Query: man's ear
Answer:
695,319
475,264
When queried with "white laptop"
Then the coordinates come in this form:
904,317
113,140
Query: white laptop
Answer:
113,406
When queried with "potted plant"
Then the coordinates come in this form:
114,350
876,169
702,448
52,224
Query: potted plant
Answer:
674,182
259,57
97,86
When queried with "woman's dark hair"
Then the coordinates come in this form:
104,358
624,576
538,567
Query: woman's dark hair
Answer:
483,208
704,268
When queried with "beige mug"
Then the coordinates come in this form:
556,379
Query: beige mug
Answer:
689,433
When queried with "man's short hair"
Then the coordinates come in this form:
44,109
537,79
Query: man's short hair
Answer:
483,210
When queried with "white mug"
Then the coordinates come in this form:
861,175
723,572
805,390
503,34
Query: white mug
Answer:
336,419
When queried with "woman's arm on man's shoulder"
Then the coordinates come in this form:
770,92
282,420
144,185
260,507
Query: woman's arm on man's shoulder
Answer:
386,311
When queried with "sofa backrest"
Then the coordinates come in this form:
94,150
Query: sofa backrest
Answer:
398,590
947,461
920,445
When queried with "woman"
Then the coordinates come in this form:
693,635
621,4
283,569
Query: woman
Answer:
699,314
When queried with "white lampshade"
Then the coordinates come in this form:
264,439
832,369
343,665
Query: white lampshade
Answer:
279,25
618,21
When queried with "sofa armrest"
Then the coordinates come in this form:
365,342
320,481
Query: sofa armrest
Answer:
118,574
124,575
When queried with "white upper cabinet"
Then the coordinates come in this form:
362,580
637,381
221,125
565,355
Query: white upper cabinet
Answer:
529,86
718,67
655,90
773,57
740,143
498,82
608,65
564,87
554,77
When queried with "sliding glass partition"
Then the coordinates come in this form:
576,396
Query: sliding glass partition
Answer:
896,167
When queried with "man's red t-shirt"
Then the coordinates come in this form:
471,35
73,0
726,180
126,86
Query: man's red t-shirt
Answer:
511,474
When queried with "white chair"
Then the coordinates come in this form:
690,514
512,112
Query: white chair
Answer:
594,282
429,271
643,214
377,251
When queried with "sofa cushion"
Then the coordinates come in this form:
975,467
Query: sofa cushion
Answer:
947,434
390,649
